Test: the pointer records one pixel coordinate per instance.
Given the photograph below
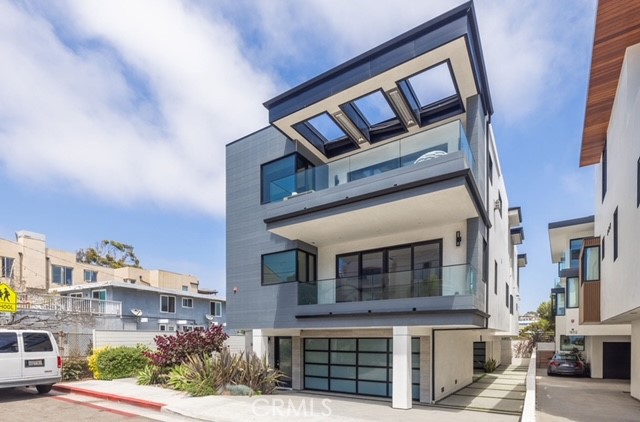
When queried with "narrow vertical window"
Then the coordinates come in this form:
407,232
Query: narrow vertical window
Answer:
615,234
638,184
602,248
507,293
490,168
604,172
495,277
485,261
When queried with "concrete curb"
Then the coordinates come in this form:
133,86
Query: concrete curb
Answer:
111,397
529,410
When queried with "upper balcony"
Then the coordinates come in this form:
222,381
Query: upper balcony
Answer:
452,288
316,203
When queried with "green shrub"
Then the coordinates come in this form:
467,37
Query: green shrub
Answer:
151,375
195,376
490,366
224,373
75,369
118,362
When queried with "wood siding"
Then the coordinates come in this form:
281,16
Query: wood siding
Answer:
617,27
590,306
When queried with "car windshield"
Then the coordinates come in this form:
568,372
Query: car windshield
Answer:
566,357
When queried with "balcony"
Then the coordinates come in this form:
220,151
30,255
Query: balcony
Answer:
74,305
420,148
452,280
423,179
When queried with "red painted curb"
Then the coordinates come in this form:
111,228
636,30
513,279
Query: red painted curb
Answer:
111,397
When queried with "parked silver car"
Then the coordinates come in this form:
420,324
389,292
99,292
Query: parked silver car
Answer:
566,364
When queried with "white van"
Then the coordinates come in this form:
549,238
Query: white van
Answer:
29,358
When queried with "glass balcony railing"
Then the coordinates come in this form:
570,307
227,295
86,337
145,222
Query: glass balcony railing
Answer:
421,148
450,280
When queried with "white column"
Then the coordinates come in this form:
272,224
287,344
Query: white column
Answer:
401,395
260,343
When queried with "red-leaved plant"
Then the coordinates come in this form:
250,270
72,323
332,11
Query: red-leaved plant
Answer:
172,350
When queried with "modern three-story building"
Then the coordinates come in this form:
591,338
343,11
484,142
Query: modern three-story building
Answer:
610,142
371,249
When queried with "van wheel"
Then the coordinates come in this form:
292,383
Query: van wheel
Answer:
44,389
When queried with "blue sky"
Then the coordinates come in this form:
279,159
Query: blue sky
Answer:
114,115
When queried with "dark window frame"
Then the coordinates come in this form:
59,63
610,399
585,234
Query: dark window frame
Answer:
511,304
568,295
490,168
584,263
301,162
312,270
577,250
507,293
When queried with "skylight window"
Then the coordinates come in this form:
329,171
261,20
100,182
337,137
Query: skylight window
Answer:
432,94
433,85
327,127
374,117
375,109
326,135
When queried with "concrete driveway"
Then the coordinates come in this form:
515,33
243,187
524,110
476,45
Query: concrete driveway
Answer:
502,391
563,398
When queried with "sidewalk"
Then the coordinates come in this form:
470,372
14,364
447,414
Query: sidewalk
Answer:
285,405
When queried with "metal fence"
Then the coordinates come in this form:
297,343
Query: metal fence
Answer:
74,345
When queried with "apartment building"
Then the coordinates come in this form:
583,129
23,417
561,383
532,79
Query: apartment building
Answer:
28,263
371,248
610,143
149,308
576,304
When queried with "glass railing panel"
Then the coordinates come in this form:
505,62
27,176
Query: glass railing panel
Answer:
418,148
441,281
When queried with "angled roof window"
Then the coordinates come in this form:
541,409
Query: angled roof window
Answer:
432,94
374,116
326,135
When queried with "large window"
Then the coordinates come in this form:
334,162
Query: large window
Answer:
573,292
283,177
6,265
168,304
569,343
291,265
62,275
391,273
591,263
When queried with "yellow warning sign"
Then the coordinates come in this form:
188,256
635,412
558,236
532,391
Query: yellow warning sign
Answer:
8,299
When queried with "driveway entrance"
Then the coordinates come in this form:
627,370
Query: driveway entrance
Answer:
564,398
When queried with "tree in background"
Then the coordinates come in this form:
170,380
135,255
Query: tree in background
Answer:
541,330
545,326
109,253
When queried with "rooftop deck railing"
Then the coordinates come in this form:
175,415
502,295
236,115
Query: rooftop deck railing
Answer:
69,304
421,148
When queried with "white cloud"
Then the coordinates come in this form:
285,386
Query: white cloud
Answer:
133,102
70,113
